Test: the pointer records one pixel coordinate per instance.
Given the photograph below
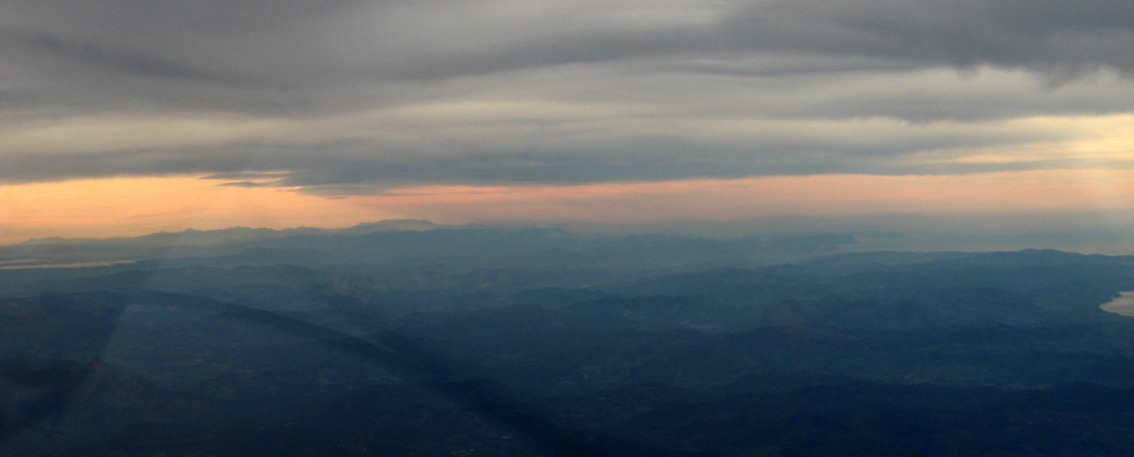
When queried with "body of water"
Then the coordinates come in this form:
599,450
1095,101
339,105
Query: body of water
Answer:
1123,305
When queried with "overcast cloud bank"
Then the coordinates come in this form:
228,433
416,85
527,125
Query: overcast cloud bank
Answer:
351,96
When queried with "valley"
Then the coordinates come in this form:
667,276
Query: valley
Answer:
518,342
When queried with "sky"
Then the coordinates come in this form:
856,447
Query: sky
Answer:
126,117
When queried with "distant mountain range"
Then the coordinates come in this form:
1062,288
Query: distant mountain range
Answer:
408,240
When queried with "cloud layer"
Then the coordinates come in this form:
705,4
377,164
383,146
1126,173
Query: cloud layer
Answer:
351,96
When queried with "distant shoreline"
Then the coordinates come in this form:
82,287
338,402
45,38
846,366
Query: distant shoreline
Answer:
22,265
1123,305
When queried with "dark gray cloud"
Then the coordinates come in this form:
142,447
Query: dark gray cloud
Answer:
247,184
346,41
117,60
1054,39
366,166
144,162
1042,35
382,93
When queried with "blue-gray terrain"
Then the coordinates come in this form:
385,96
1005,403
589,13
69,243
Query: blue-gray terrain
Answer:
406,338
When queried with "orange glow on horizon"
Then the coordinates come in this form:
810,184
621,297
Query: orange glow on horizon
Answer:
137,206
733,199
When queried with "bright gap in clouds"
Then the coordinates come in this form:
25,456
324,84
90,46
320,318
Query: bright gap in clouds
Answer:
136,206
132,206
1103,191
